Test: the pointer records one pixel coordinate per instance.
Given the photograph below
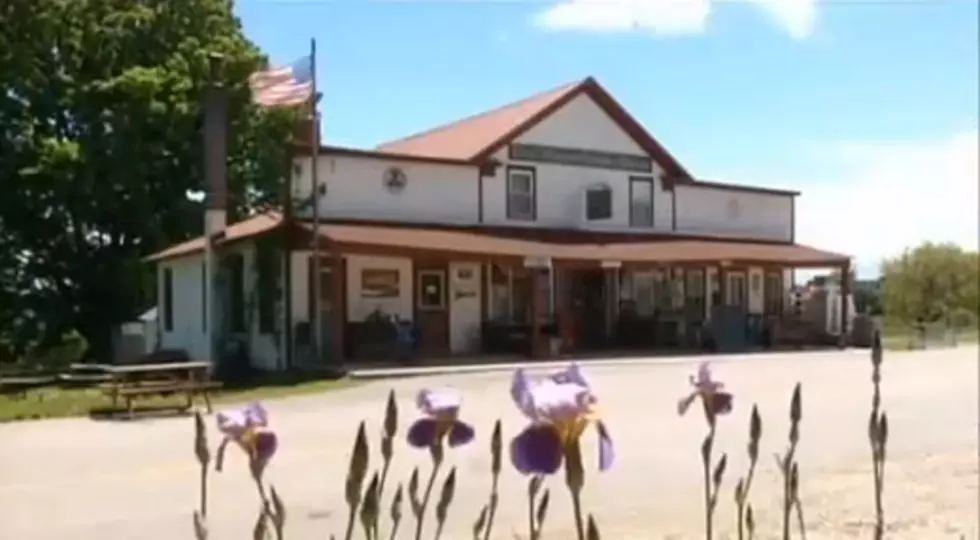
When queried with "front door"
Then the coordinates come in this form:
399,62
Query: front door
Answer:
431,308
589,306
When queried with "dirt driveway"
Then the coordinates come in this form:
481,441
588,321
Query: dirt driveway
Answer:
88,480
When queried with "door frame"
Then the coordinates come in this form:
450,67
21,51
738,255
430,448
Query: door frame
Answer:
423,312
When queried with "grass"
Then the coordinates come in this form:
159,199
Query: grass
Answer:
901,340
60,402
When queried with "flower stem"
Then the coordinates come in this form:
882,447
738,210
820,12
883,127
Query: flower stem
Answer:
204,490
743,498
577,510
492,511
532,533
381,488
266,506
420,519
706,478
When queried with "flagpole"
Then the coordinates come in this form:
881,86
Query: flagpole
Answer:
315,185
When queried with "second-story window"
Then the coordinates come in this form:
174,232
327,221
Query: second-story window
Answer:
641,201
521,194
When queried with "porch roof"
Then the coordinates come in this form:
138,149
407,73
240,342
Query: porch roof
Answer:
577,246
519,243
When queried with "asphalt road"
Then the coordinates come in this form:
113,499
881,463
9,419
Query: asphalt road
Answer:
89,480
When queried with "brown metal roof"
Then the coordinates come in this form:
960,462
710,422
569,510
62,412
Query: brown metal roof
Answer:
473,242
580,246
241,230
478,137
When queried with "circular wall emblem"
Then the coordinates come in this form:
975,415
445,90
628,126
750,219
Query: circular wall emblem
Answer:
395,180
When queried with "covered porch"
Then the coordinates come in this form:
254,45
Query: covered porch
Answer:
472,291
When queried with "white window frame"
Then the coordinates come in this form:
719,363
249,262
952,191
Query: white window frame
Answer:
523,197
647,183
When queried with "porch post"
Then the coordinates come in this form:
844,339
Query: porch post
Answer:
845,293
338,297
563,312
539,302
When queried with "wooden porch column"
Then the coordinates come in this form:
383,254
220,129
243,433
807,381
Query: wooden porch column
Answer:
539,304
563,309
845,293
338,299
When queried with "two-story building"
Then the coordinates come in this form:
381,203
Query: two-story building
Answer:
556,224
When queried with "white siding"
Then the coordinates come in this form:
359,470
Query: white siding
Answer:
359,307
355,189
582,124
189,332
724,212
561,189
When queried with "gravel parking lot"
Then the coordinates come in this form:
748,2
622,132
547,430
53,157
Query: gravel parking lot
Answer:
88,480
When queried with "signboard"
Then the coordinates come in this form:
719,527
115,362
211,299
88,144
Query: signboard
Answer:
582,158
537,262
611,264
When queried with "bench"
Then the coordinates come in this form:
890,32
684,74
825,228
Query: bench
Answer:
131,391
135,381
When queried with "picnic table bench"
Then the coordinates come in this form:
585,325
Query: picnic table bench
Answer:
132,382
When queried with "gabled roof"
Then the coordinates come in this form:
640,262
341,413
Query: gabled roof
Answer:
478,137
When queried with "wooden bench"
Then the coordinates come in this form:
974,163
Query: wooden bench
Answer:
136,381
18,384
128,392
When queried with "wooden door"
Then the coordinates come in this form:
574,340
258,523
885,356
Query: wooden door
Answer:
432,308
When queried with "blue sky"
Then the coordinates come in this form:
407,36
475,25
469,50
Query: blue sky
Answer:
861,104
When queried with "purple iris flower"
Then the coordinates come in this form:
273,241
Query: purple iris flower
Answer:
709,390
440,420
249,428
560,407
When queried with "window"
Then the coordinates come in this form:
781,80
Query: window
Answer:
510,291
694,288
641,201
204,296
431,289
521,192
168,299
598,203
235,266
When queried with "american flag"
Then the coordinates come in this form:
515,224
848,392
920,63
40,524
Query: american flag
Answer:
283,86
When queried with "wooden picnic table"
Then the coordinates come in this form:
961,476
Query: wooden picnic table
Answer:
135,381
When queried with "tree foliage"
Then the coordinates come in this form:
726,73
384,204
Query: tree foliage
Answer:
931,283
100,142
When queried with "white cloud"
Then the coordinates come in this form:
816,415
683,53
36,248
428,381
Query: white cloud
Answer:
796,17
890,196
666,17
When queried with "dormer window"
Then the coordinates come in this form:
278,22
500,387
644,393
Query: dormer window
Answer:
598,203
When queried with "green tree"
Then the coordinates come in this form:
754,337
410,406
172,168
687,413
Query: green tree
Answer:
100,142
932,282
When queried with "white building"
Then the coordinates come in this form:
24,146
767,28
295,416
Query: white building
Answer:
558,217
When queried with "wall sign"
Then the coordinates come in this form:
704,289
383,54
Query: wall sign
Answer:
537,262
582,158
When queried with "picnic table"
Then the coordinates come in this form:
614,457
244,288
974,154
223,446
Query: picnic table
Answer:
131,382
